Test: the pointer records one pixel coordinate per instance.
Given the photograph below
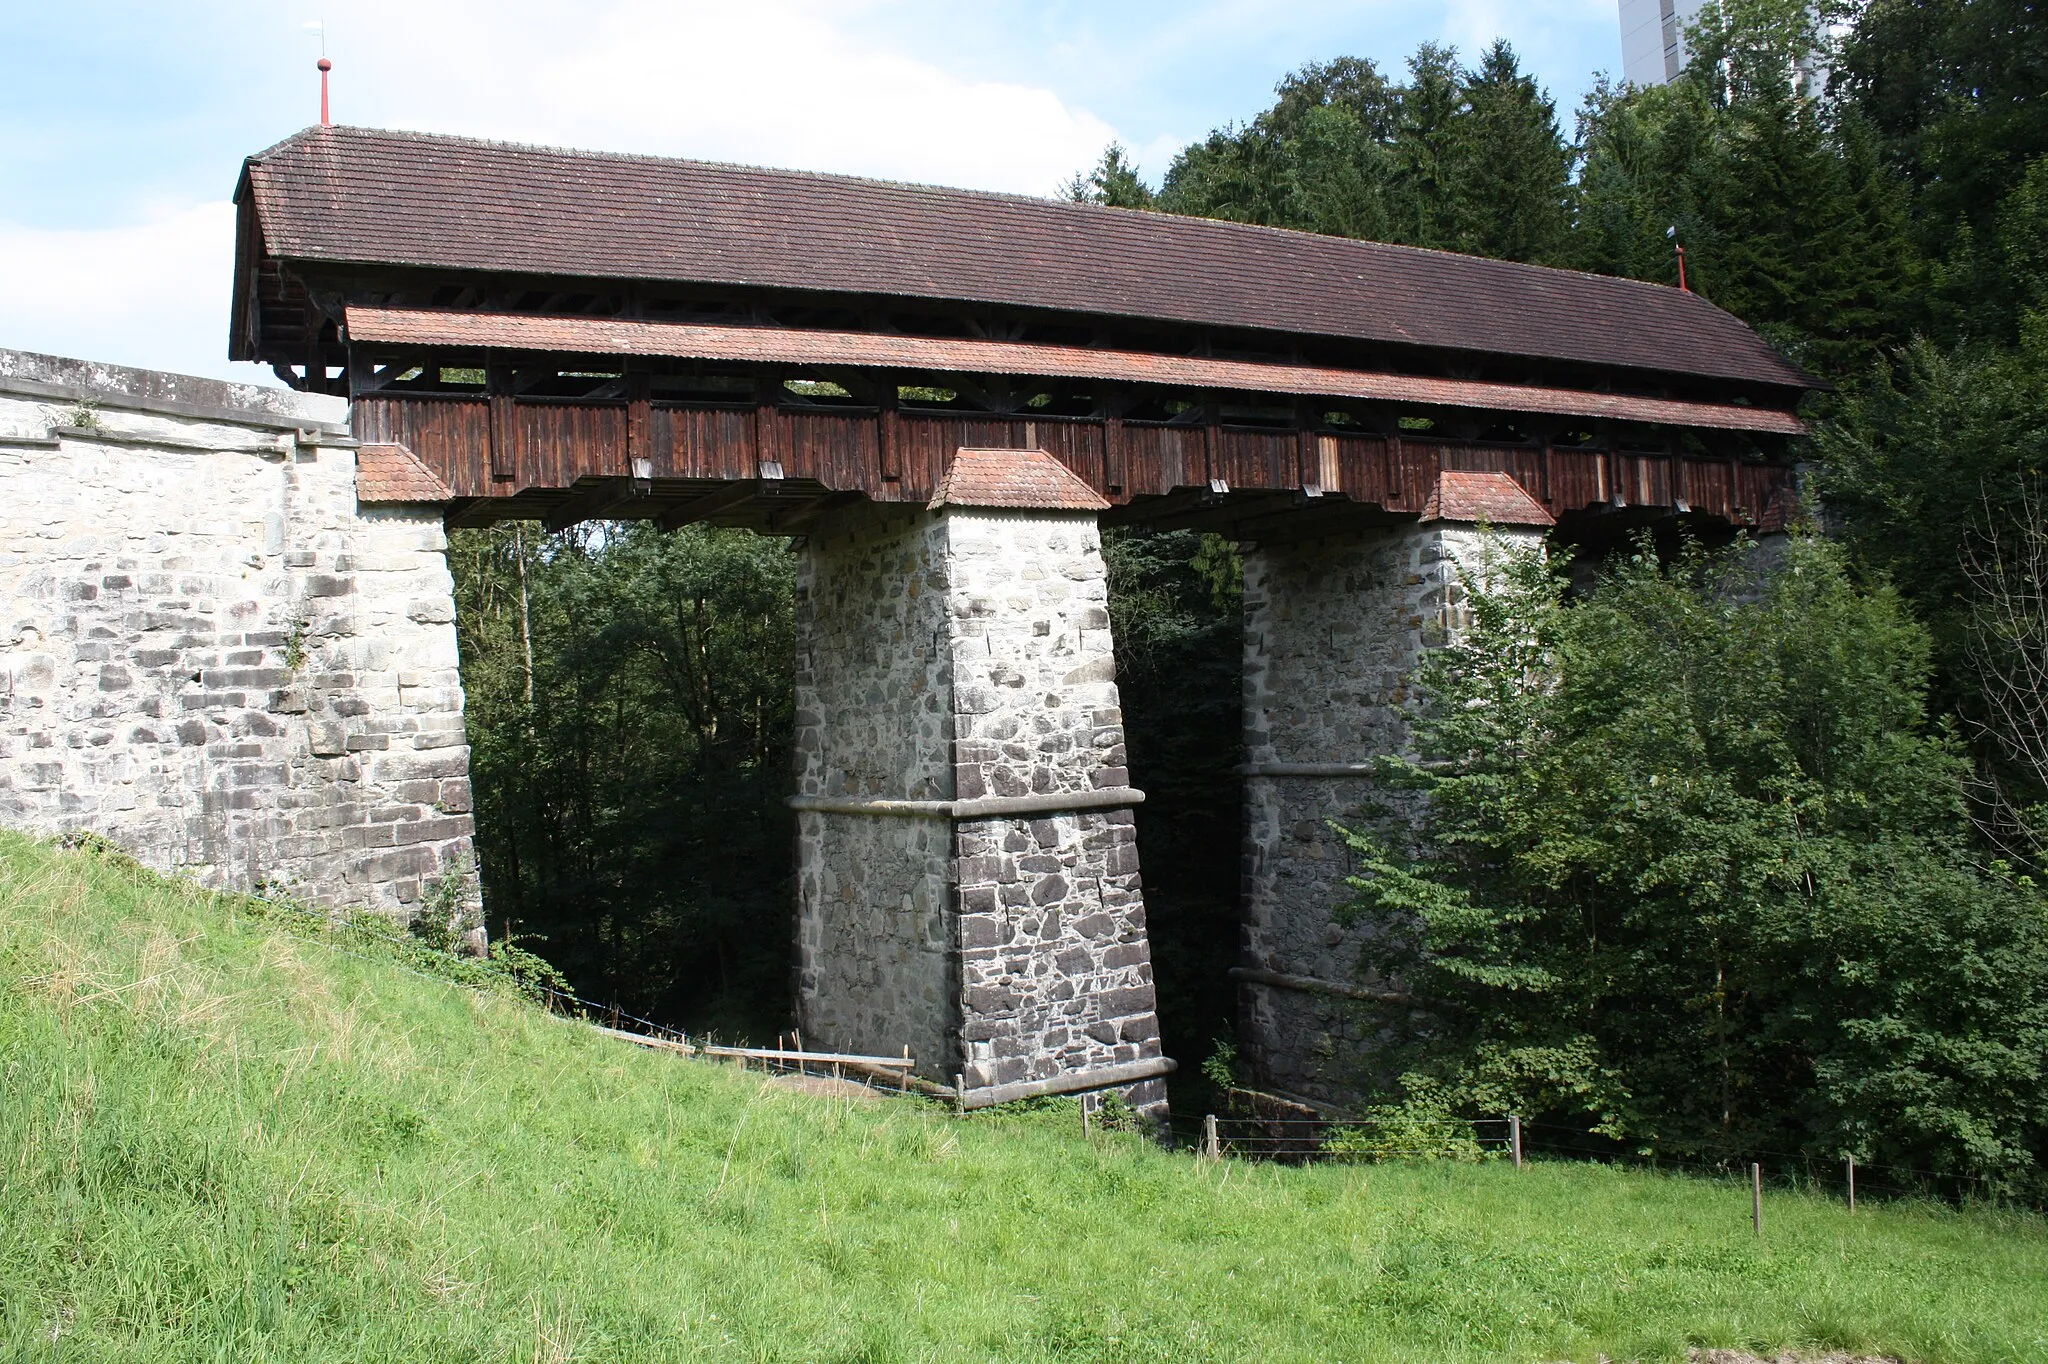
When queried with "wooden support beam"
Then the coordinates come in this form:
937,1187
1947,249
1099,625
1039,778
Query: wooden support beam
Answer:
794,519
1229,512
714,504
591,500
469,513
639,430
886,437
1154,510
504,422
1113,454
766,420
1212,418
1307,464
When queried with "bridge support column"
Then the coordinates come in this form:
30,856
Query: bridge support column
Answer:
967,880
1335,630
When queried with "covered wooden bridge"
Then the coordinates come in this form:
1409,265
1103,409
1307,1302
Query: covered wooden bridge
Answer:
943,395
564,335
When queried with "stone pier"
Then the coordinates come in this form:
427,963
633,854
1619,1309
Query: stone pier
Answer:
968,872
227,637
1335,630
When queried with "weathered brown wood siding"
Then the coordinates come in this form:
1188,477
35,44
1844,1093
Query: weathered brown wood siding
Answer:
539,444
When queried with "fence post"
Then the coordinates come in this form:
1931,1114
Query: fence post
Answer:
959,1096
1087,1115
1756,1197
1515,1137
1212,1147
1852,1184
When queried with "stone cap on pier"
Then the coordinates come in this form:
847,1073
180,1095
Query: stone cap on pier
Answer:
394,474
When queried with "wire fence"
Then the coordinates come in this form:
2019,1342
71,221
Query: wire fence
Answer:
1297,1140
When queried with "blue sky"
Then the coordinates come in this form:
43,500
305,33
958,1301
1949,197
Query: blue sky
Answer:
122,125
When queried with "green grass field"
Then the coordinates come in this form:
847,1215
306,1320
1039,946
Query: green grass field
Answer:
221,1139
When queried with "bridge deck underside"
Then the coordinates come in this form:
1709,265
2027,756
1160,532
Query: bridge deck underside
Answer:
772,467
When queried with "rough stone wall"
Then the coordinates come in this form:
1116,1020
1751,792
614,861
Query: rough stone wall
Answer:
209,653
1056,966
964,654
874,719
1335,630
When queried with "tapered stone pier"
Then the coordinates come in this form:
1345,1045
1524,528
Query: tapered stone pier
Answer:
1335,631
967,859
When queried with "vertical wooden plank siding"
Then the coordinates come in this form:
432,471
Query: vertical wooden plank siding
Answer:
504,439
495,446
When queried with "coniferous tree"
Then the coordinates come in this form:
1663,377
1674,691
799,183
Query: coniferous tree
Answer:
1114,182
1316,161
1513,181
1954,89
1426,146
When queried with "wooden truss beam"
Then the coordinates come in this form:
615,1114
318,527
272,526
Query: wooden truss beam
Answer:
592,500
717,504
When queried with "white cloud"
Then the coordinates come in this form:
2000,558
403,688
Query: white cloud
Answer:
153,293
849,87
840,87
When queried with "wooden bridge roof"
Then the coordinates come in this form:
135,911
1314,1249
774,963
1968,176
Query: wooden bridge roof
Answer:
363,197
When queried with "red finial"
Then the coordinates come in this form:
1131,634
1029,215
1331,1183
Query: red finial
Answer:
327,66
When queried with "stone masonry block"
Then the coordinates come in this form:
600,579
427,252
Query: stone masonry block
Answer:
185,571
962,654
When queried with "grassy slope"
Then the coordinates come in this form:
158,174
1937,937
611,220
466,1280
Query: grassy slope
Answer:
221,1141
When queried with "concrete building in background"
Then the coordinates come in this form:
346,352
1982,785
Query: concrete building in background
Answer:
1653,39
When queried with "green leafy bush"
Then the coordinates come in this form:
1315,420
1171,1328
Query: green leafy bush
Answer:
1695,874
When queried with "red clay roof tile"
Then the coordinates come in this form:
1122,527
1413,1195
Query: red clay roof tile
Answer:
1029,479
392,473
1490,497
365,196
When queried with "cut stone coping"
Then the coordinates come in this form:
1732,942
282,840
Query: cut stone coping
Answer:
983,807
1070,1082
29,374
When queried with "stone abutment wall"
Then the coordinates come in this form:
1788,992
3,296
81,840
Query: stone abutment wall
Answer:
211,654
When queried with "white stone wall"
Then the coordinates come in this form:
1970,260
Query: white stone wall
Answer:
966,654
1335,631
209,653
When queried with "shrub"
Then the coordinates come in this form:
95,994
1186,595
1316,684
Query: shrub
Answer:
1696,874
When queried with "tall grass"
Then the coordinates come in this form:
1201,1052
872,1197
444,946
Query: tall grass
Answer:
223,1139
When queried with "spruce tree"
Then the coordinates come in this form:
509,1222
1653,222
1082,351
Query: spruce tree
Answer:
1427,174
1511,188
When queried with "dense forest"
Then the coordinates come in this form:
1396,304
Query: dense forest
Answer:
1854,943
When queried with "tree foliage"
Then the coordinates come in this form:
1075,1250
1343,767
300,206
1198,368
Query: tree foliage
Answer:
1467,160
1697,874
629,704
